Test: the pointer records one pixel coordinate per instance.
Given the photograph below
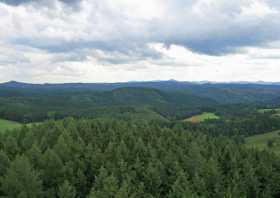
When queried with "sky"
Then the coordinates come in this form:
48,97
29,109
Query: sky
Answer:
59,41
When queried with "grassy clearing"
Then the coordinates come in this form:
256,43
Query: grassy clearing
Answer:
264,110
202,117
269,141
33,123
275,111
8,125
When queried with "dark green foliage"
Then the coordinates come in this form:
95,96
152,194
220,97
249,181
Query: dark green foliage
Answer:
270,143
66,190
29,105
167,100
101,158
4,163
221,92
143,156
21,180
163,101
237,126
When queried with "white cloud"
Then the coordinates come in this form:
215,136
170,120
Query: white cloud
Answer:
140,40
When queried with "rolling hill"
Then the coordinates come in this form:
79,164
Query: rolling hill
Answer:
29,105
241,92
171,100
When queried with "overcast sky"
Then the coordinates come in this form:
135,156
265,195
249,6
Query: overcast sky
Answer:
125,40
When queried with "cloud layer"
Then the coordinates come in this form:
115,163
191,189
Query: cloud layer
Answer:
91,40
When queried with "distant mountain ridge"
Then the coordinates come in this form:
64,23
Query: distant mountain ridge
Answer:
13,83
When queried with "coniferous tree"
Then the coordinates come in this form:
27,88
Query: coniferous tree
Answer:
4,162
21,180
181,188
52,172
66,190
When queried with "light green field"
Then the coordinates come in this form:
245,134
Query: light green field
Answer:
264,110
202,117
261,141
33,124
8,125
276,111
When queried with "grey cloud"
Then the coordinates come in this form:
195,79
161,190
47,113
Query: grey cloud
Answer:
228,42
216,29
115,52
15,2
13,60
19,2
223,27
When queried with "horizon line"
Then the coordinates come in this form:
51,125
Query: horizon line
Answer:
147,81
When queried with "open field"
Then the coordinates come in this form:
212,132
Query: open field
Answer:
269,141
9,125
202,117
6,124
276,111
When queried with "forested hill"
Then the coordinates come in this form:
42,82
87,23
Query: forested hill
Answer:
32,105
221,92
170,100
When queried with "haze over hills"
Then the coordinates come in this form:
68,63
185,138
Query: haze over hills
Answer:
14,83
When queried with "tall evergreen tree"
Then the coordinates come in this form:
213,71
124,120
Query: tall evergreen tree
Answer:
181,188
66,190
21,180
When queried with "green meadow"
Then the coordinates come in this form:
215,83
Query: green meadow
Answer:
275,111
269,141
202,117
8,125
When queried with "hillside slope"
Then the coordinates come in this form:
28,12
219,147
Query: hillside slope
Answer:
221,92
32,106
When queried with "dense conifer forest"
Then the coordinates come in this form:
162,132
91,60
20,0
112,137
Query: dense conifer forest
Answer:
135,142
103,158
